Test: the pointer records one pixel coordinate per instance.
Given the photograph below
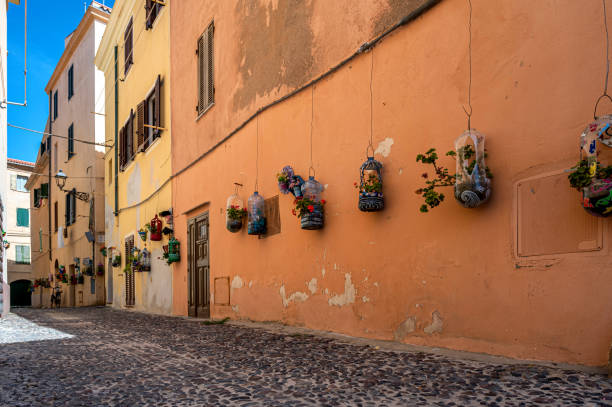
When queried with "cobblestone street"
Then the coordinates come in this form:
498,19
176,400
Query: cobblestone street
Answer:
104,357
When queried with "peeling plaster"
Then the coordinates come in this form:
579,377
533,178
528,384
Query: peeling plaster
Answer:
375,284
348,297
250,283
384,147
326,291
436,325
235,308
312,285
297,296
400,171
365,299
406,327
237,282
323,271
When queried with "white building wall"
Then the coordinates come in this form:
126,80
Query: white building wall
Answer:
17,235
100,98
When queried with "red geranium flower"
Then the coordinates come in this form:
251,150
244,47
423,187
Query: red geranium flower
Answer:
293,211
310,208
323,201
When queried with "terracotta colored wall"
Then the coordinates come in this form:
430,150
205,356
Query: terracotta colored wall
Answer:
453,277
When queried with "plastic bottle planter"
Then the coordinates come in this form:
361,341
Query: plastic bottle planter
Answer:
234,213
144,259
80,279
174,251
256,215
289,182
370,188
312,220
116,261
597,196
472,187
156,229
100,270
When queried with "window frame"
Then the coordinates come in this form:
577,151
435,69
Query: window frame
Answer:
71,82
209,35
27,214
71,208
55,103
151,17
128,56
17,251
17,183
71,152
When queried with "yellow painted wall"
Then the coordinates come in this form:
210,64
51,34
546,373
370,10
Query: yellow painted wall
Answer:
143,189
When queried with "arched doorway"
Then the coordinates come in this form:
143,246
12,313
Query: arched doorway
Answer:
20,294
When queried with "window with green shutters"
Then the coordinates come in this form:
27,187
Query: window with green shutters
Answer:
70,141
70,82
23,217
22,254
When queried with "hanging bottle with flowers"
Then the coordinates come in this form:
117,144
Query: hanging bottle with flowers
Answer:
472,184
234,211
309,207
370,186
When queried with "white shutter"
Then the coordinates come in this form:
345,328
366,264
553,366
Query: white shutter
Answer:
13,182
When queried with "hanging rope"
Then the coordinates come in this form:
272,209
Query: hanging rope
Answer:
371,144
311,126
605,89
469,114
257,157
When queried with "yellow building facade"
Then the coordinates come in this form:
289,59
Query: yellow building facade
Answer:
135,57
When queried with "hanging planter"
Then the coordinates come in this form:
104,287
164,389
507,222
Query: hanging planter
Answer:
88,271
256,215
155,229
288,181
174,251
370,187
472,186
6,244
309,207
145,260
588,176
116,260
143,234
103,251
234,212
100,269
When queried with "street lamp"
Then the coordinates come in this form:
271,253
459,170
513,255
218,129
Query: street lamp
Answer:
60,179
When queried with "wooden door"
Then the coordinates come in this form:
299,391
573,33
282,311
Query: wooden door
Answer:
198,269
130,290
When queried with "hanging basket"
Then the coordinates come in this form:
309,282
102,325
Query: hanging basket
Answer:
472,186
156,229
370,188
256,215
313,220
310,205
597,189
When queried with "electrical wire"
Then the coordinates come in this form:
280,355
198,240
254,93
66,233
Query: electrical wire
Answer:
257,156
605,89
371,144
58,136
311,129
469,114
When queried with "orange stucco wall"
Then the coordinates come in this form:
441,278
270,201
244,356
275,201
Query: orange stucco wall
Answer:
452,278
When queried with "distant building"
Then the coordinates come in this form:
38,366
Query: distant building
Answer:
18,254
72,217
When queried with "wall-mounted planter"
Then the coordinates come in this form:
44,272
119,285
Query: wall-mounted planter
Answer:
156,229
234,213
310,206
256,215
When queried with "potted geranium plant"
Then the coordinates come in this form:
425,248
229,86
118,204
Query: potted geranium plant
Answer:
235,214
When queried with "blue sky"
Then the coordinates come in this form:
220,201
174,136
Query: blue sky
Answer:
48,24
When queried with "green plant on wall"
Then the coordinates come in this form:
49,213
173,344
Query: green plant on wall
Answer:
582,175
442,177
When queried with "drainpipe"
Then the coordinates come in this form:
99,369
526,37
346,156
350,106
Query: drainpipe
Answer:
25,60
116,135
50,155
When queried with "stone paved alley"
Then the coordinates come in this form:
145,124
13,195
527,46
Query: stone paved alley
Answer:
105,357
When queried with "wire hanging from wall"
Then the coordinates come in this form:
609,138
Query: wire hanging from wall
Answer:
605,89
469,114
311,168
257,155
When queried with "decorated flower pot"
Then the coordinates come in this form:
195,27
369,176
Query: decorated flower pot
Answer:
116,261
596,181
143,235
100,270
156,229
370,188
174,251
472,186
313,220
234,212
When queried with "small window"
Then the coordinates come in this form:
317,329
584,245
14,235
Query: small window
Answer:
55,105
70,141
22,254
153,9
44,190
70,82
36,198
127,47
71,207
206,86
21,183
23,217
55,225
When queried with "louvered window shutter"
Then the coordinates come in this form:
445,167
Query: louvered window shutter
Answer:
157,111
67,211
13,182
202,74
122,147
130,136
140,121
211,65
149,9
73,206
